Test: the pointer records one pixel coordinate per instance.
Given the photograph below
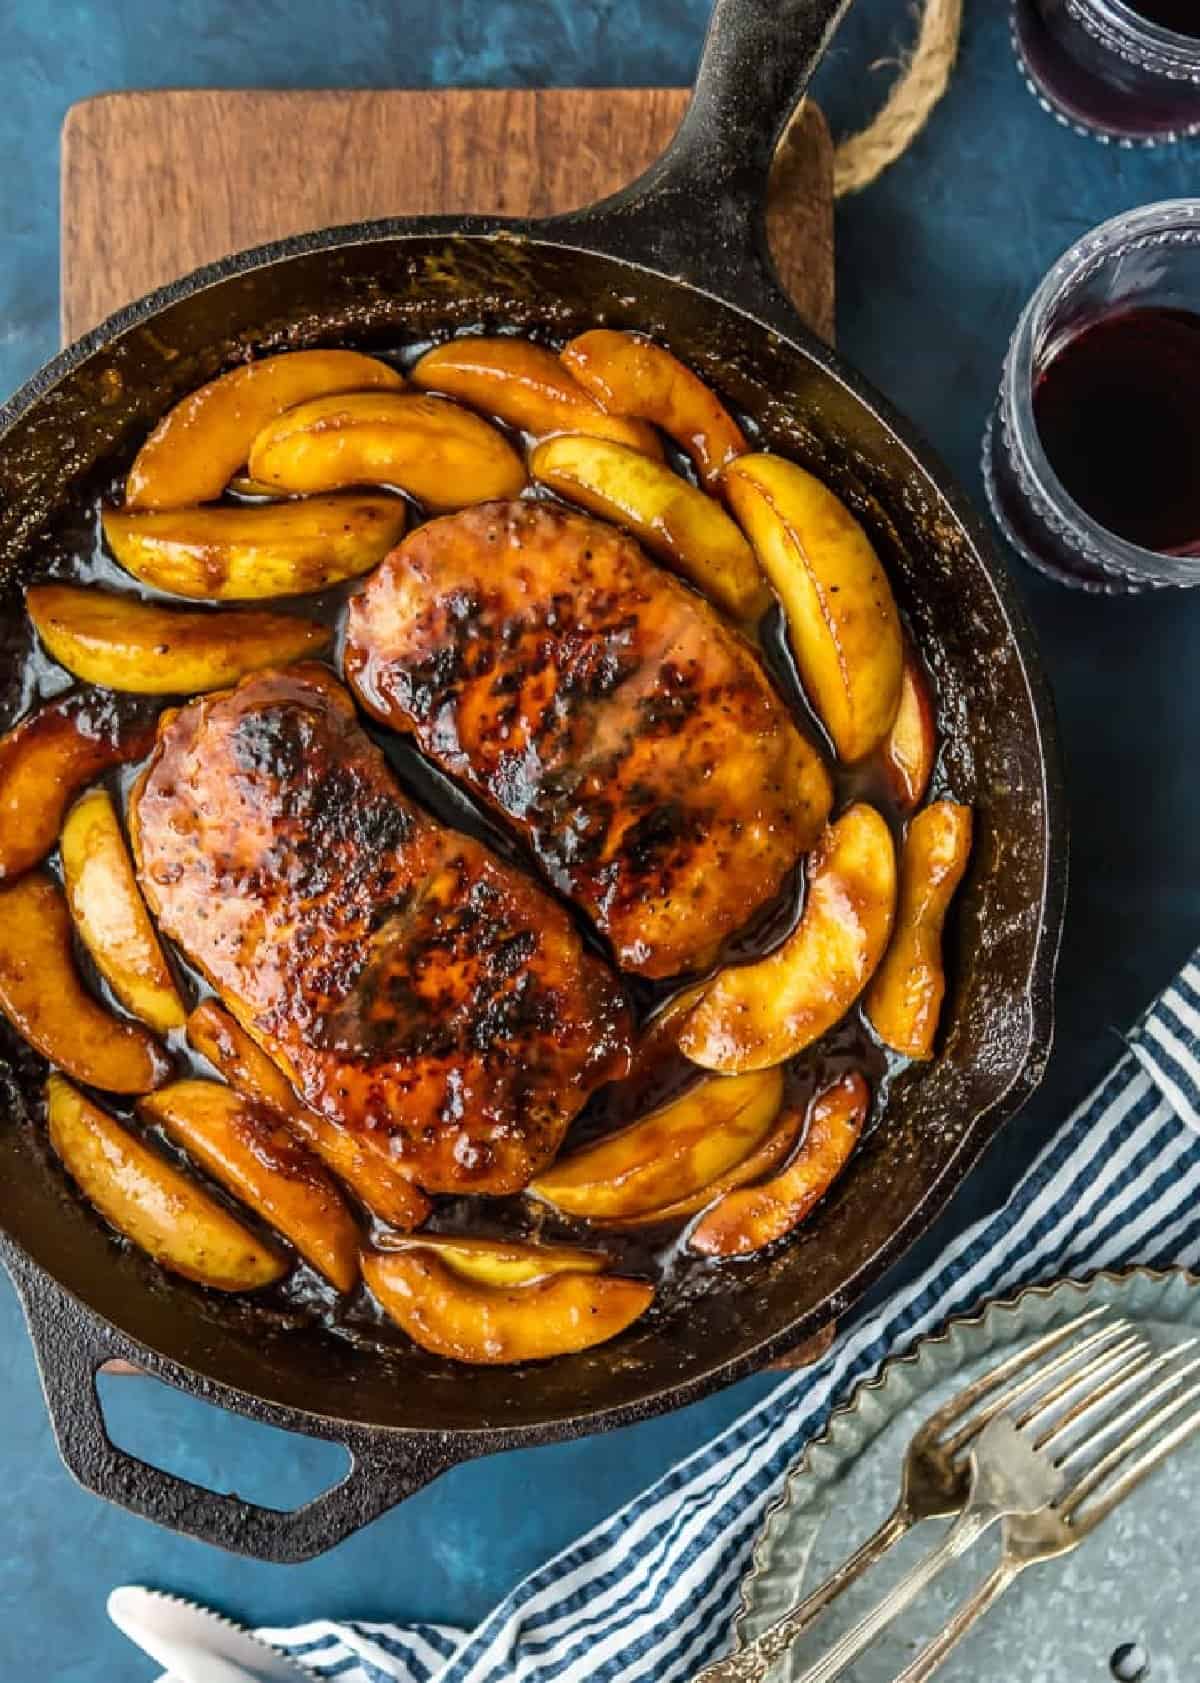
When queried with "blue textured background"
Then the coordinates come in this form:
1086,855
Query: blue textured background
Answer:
934,263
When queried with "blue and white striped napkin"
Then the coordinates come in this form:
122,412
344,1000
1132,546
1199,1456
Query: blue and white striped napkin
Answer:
650,1593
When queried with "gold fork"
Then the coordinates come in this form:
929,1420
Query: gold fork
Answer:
936,1474
1093,1487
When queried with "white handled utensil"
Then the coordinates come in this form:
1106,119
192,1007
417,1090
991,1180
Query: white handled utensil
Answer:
196,1645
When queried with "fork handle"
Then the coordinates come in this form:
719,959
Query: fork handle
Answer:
966,1531
752,1663
967,1615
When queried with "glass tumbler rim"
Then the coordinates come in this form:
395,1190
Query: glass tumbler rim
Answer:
1054,504
1152,46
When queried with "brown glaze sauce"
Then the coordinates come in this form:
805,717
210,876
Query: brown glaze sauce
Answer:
74,553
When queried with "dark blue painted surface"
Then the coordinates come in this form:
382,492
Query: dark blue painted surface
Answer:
934,263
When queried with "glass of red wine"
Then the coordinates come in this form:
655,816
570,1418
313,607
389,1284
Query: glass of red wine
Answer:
1092,455
1125,70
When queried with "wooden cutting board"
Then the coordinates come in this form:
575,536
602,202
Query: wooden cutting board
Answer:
157,183
154,184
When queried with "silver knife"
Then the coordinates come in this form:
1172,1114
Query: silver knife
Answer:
196,1645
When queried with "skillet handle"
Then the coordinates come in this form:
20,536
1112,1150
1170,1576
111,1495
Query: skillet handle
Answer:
72,1345
699,211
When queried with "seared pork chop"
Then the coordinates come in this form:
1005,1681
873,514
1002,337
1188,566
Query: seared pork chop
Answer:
606,709
414,987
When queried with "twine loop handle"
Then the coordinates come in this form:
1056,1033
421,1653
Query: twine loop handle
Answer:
924,77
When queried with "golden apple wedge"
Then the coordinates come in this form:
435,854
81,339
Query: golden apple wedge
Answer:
746,1220
629,374
122,643
904,1001
442,454
674,1151
754,1016
784,1132
504,1262
455,1317
201,443
527,386
841,615
243,486
247,552
155,1205
682,526
44,999
110,915
384,1191
249,1150
910,747
47,759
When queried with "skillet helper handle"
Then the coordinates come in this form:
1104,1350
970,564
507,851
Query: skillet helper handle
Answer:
700,211
72,1346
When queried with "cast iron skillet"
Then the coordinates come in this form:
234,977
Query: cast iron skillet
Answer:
682,254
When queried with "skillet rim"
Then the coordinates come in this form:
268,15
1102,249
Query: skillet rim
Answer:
795,339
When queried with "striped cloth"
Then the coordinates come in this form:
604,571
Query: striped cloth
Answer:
650,1593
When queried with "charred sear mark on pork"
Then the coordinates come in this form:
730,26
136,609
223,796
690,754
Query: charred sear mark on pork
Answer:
604,708
419,991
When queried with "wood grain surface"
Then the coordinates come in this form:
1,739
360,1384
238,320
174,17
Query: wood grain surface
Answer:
156,183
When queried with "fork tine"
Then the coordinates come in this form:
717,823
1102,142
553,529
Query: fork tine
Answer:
1126,1418
963,1401
1096,1369
1133,1476
1112,1459
1112,1387
1119,1329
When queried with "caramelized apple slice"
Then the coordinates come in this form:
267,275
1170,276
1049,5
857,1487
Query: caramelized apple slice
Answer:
910,747
452,1316
272,549
904,1000
657,1047
124,644
110,914
243,486
629,374
842,619
150,1201
785,1131
47,759
686,529
505,1262
245,1066
660,1035
755,1216
45,1001
528,387
249,1150
673,1151
442,454
756,1015
197,446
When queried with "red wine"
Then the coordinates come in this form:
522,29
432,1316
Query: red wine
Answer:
1097,86
1179,15
1118,413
